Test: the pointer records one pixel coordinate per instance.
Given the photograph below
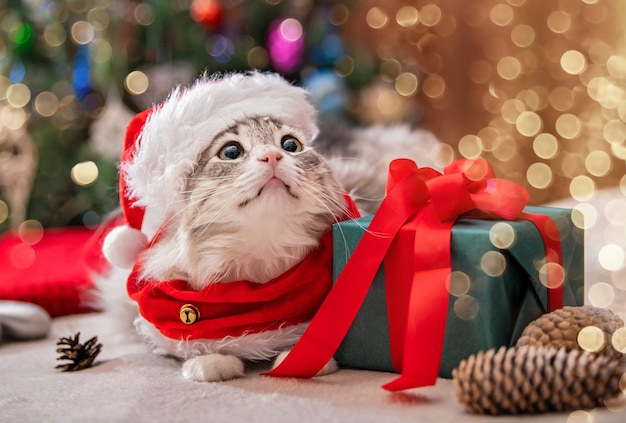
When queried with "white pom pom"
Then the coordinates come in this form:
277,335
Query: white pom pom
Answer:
122,246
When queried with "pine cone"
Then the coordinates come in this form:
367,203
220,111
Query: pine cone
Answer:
560,328
535,380
80,355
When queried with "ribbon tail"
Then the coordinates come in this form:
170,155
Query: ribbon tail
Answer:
333,320
423,344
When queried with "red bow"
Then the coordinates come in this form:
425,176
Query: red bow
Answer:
427,203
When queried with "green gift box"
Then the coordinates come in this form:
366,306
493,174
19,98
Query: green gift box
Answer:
494,291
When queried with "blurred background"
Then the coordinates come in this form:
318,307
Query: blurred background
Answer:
536,87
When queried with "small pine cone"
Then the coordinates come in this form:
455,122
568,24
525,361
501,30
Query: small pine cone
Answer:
535,380
560,328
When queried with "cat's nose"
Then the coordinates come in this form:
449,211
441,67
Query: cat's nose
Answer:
271,157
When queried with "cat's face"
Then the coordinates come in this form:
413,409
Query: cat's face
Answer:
262,170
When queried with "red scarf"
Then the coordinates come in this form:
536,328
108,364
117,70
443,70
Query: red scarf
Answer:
239,307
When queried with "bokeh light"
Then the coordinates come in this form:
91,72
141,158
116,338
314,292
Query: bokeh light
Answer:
30,231
466,307
493,263
601,294
84,173
591,339
502,235
458,283
136,82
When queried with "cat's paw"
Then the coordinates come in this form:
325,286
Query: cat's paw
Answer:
330,367
213,368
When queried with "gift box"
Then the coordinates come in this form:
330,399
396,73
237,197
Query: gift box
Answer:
497,286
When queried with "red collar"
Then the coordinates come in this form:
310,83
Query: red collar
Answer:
235,308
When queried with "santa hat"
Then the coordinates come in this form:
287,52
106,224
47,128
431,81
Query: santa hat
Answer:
162,145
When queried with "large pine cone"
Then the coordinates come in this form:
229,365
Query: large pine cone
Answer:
535,379
560,328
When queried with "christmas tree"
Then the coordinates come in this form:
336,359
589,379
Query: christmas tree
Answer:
73,72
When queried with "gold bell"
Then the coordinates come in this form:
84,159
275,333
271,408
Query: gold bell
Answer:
189,314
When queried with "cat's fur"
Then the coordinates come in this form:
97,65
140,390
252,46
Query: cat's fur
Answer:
256,215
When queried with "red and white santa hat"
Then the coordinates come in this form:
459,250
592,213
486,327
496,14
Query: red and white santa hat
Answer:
162,145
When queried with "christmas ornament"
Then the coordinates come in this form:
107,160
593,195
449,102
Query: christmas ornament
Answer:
536,380
81,356
561,328
206,12
22,321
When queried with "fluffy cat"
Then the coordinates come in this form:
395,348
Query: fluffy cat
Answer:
233,189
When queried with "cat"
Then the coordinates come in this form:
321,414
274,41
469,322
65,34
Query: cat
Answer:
253,202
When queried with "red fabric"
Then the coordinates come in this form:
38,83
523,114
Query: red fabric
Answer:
53,273
235,308
428,203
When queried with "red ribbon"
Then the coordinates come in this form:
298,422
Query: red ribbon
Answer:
425,204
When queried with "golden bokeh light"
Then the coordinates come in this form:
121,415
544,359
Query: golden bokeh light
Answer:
615,211
545,145
13,119
430,15
82,32
30,231
559,21
470,146
466,307
501,14
406,84
611,257
54,34
584,216
523,35
407,16
573,62
551,275
502,235
376,18
509,67
136,82
598,163
441,155
568,126
591,339
458,283
18,95
84,173
493,263
434,86
582,188
614,131
528,124
46,104
618,340
539,175
601,294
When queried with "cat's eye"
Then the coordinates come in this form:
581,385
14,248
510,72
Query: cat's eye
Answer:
231,151
291,144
